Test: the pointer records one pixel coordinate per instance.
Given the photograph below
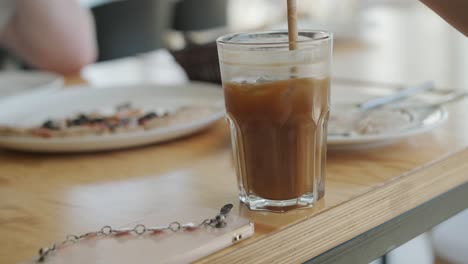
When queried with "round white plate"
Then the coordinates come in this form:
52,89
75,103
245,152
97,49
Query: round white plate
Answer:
34,109
21,82
349,94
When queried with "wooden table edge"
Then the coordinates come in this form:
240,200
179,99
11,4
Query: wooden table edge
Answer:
382,239
328,229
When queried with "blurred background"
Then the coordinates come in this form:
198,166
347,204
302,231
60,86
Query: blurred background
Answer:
388,36
379,41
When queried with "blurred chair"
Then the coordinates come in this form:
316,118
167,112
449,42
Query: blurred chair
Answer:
200,61
126,28
194,15
418,251
450,239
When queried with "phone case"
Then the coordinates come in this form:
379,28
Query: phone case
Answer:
167,247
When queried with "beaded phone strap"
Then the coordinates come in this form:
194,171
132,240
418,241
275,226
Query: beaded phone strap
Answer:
219,221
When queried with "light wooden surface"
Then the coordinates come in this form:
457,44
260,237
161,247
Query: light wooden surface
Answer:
44,197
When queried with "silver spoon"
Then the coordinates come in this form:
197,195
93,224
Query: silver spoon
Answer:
401,94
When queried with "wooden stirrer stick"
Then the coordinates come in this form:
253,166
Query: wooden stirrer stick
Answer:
292,24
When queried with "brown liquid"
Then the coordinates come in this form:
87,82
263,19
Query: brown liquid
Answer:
280,135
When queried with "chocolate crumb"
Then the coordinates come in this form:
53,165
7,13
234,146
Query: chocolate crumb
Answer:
49,124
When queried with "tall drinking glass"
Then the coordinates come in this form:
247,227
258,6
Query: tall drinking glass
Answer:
277,104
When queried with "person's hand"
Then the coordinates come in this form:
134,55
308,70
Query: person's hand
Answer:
453,11
54,35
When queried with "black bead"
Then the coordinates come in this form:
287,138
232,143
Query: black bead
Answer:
147,117
80,120
150,115
49,124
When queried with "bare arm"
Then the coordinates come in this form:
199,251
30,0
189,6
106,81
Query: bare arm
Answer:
454,12
55,35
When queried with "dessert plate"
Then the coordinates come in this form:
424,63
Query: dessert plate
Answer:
347,125
34,109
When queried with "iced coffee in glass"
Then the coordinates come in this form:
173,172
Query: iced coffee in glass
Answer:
277,103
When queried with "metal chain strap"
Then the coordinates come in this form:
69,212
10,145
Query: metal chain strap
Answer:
218,221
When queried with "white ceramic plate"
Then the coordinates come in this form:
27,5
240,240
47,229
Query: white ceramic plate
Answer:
34,109
350,94
21,82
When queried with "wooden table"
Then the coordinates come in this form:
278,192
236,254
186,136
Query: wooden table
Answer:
375,198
